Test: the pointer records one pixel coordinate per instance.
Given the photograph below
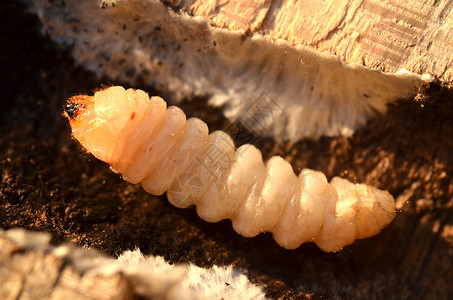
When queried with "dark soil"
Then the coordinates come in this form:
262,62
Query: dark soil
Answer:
50,184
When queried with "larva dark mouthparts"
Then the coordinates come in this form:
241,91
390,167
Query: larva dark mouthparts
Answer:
148,143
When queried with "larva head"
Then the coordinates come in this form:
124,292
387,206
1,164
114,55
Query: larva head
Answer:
76,106
97,121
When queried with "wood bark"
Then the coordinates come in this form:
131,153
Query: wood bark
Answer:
31,268
389,35
184,55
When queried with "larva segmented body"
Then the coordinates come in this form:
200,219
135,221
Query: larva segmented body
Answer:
148,143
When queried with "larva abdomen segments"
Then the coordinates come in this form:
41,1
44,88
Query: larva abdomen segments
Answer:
305,213
142,123
248,165
204,169
372,212
155,148
165,152
262,206
279,186
317,197
212,205
339,225
192,143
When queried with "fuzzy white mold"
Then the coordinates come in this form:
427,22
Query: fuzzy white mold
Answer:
87,274
148,143
184,56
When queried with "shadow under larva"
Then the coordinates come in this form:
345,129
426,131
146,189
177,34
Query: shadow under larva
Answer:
152,144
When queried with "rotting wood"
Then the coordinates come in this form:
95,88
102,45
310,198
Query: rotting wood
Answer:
190,51
390,35
30,268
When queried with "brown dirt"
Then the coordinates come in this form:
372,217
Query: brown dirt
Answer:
50,184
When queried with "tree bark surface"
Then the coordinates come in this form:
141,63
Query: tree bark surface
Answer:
389,35
31,268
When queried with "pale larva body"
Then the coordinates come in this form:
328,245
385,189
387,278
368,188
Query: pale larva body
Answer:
148,143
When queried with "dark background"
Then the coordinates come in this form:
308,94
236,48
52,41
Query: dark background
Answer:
50,184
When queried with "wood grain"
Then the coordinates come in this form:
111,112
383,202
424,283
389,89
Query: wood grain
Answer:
389,35
31,268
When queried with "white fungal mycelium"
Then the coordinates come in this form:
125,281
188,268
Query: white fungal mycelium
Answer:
318,59
148,143
144,277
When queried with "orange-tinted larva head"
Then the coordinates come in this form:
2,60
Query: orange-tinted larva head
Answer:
76,106
97,121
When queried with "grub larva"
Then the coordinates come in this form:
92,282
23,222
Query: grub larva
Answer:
148,143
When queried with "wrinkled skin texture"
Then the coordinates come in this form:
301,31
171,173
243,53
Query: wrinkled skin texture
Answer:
135,135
